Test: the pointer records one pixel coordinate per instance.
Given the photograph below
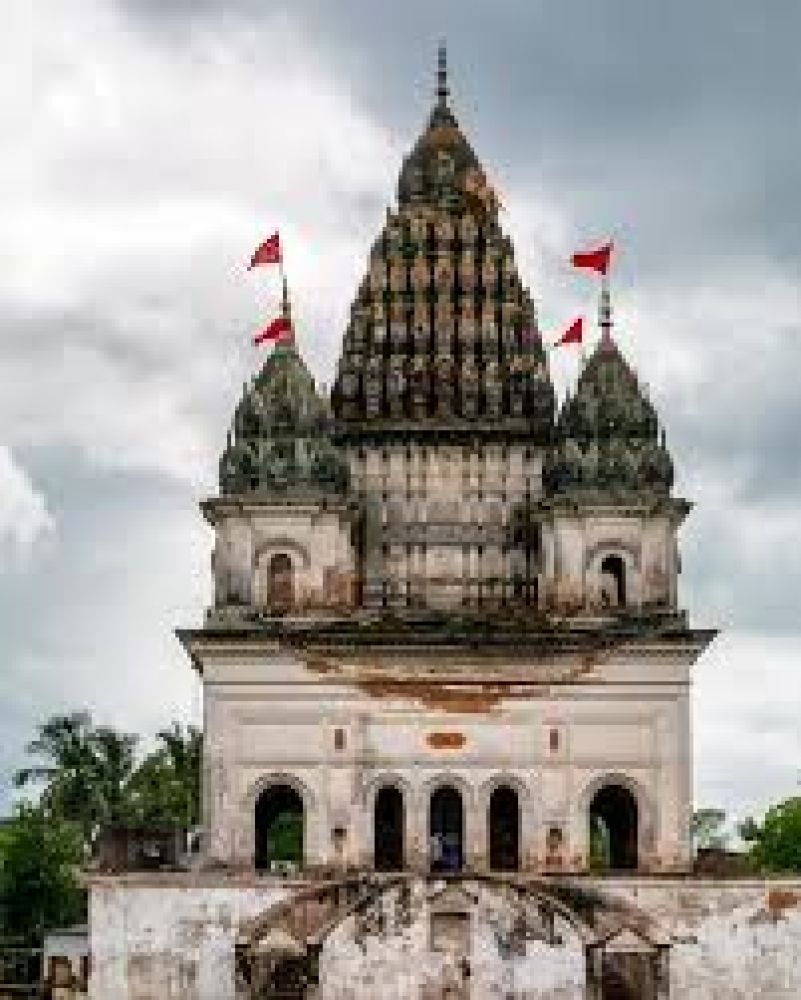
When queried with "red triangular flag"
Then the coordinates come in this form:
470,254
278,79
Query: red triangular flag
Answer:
268,252
573,334
273,331
596,260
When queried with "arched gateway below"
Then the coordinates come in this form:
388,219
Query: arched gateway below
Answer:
446,830
614,825
504,830
388,830
279,822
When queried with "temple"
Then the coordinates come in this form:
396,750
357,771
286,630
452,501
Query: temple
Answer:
446,674
446,632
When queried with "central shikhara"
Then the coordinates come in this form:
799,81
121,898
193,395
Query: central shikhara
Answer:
445,632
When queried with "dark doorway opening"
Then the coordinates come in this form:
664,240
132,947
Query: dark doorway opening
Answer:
613,829
446,830
504,830
279,827
388,830
282,588
613,582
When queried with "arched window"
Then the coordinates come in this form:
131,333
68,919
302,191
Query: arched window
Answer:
388,830
281,587
614,826
613,582
279,827
446,830
504,830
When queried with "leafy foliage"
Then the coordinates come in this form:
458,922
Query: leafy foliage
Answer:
165,788
776,842
89,778
85,771
42,854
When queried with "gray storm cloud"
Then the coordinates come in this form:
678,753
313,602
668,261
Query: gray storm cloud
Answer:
161,141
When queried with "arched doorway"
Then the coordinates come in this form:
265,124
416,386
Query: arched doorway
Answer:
613,829
613,582
446,830
388,830
504,830
281,587
279,827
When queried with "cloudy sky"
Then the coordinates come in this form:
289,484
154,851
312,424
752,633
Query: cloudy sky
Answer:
147,145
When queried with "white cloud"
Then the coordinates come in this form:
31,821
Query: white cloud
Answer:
132,195
24,517
747,731
137,173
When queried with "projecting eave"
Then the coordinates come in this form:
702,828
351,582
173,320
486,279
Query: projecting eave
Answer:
372,637
249,504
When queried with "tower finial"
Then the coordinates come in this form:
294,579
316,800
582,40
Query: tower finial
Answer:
605,312
286,310
442,75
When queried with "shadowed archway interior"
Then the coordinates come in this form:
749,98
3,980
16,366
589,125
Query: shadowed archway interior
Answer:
279,822
388,829
446,830
281,582
504,830
613,829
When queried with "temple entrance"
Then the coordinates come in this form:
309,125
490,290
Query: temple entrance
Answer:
446,830
504,830
281,584
613,582
613,829
279,828
388,830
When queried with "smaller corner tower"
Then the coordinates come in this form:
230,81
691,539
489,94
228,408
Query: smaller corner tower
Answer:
608,514
282,523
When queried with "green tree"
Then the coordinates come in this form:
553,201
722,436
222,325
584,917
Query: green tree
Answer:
708,829
776,841
84,771
39,889
165,788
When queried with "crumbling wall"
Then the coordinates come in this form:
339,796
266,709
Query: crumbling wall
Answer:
731,940
162,937
169,937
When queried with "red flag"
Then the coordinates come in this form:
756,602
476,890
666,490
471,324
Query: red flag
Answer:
596,260
268,252
573,334
273,331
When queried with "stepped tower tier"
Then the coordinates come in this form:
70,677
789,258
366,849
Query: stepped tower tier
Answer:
282,522
608,518
442,340
443,401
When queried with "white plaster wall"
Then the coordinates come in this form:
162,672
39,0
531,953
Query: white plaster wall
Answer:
168,939
159,938
576,542
735,940
270,718
316,540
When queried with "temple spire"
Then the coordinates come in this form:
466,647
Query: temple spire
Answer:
442,76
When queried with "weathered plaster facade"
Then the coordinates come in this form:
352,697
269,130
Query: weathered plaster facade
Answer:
173,937
272,717
446,642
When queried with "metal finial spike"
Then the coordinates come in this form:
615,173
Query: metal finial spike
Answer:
285,299
605,313
442,75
